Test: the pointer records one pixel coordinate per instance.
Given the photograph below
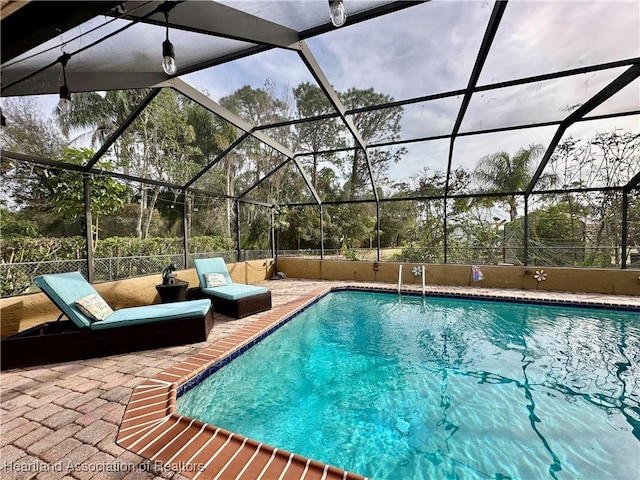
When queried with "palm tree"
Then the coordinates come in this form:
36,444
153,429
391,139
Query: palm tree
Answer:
97,116
500,172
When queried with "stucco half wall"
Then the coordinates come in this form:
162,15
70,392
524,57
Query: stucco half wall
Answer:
25,311
579,280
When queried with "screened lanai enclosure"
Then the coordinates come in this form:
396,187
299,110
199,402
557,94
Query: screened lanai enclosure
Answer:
143,133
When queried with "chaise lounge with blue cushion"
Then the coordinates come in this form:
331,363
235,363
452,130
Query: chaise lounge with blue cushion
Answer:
229,298
94,330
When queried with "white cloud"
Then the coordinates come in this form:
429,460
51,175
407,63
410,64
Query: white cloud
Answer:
541,37
418,51
281,67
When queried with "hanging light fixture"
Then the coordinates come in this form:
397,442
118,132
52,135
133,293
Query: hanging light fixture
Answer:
168,55
64,104
337,13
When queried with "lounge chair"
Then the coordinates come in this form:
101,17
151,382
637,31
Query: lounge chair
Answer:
229,298
125,330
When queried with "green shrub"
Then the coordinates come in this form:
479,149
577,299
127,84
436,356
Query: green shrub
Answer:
22,249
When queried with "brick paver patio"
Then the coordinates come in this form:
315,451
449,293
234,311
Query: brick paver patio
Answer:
61,421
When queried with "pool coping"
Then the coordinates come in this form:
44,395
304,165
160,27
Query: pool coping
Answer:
152,428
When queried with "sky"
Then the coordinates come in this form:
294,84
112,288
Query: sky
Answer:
431,48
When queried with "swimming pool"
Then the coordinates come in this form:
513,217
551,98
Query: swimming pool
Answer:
439,387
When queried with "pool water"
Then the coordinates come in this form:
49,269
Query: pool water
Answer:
410,388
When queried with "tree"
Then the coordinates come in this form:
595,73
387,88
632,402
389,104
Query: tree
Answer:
28,131
398,222
258,106
606,159
303,228
158,144
350,226
500,172
423,236
318,135
374,126
633,223
13,225
170,152
252,160
212,136
559,227
95,117
107,195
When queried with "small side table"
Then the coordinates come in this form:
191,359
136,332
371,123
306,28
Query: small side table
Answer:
176,292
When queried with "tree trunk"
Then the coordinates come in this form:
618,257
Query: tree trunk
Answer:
189,207
151,207
513,208
143,201
229,187
314,173
354,174
95,236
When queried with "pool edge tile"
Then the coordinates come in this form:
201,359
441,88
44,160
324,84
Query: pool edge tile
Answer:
163,389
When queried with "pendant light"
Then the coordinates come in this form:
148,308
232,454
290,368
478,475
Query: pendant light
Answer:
168,54
64,104
337,13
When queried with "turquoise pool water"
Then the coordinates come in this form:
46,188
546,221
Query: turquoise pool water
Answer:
411,388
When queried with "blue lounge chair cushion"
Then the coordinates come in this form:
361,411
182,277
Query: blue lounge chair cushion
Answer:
211,265
64,289
230,291
235,291
154,313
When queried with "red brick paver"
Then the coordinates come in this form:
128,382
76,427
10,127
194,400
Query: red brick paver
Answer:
60,421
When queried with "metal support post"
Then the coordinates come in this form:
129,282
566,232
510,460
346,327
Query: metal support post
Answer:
238,230
88,225
185,230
